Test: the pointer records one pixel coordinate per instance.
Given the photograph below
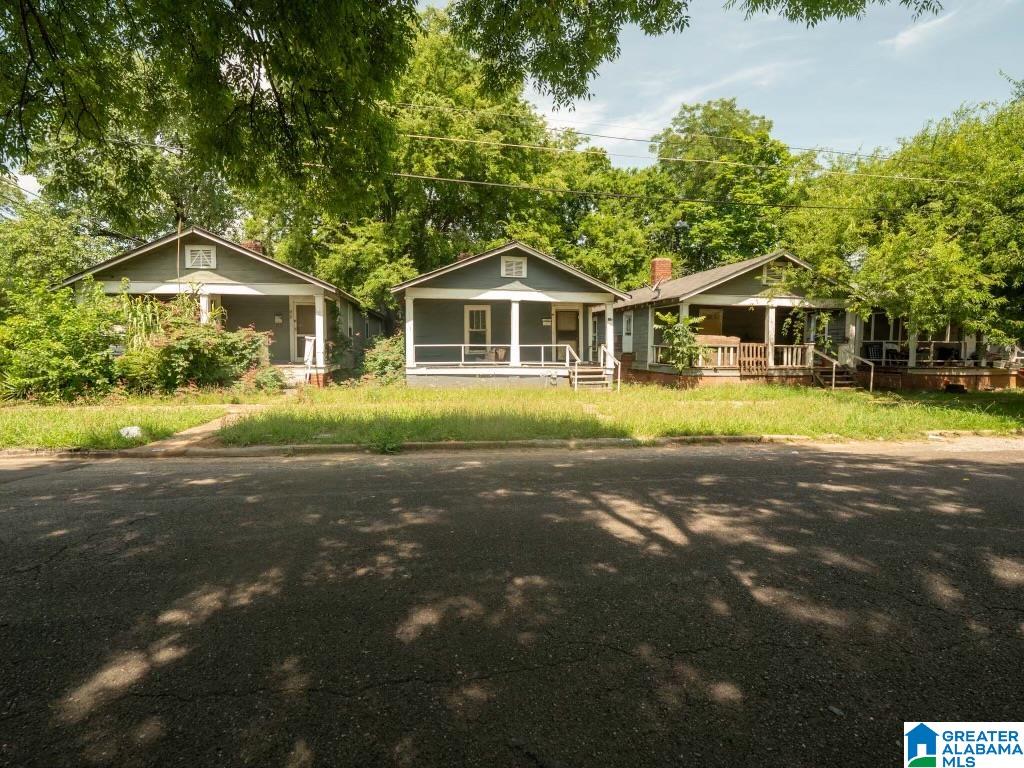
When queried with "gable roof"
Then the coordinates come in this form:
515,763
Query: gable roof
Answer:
683,287
237,247
509,246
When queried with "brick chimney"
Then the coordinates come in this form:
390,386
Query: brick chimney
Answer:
253,245
661,269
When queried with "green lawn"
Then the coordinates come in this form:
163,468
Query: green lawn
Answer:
96,426
385,417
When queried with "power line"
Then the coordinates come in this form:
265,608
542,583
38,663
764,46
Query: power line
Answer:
720,137
698,161
626,195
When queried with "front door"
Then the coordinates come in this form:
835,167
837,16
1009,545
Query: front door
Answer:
305,325
567,331
627,331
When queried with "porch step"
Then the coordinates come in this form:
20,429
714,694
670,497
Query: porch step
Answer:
845,378
590,378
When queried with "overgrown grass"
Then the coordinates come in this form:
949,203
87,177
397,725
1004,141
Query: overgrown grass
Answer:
385,417
95,426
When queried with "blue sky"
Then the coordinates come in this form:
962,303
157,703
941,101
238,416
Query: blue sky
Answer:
851,85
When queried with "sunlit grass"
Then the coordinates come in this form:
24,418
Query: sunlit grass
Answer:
393,415
71,426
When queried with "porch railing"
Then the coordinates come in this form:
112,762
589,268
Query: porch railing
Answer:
745,355
490,355
793,355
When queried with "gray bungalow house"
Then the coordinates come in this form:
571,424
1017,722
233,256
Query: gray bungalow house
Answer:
511,314
305,315
745,332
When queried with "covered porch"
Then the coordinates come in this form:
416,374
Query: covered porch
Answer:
528,335
757,336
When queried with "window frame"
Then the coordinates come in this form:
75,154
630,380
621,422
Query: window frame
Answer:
520,260
780,269
190,251
466,313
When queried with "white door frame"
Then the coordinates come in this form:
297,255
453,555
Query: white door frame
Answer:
627,338
295,355
555,309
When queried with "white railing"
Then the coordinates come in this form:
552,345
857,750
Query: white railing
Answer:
608,360
718,356
868,363
835,363
793,355
468,355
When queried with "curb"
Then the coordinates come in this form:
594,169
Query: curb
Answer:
317,449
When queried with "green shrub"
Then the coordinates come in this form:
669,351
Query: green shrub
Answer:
385,360
138,370
263,379
57,348
205,355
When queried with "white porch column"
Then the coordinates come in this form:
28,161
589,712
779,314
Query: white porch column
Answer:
410,339
970,346
769,334
514,352
609,332
912,350
320,330
590,330
204,308
651,320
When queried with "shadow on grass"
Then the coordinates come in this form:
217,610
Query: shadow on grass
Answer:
388,430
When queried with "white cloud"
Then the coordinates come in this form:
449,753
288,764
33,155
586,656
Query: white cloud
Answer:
917,33
598,117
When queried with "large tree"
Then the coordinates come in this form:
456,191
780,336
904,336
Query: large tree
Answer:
931,232
295,86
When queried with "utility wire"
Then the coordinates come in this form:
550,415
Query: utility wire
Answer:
698,161
625,195
720,137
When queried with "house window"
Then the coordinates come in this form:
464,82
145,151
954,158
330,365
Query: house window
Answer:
200,257
513,266
478,325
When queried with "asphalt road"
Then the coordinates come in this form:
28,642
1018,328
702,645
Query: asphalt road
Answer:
714,606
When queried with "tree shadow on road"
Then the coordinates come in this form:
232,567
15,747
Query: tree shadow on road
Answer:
642,607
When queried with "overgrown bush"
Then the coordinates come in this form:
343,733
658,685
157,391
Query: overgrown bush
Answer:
56,348
385,360
679,335
263,379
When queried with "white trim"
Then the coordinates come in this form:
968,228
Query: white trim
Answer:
556,369
504,294
192,251
519,261
410,334
486,308
227,289
199,231
514,354
724,300
514,245
320,329
568,307
609,335
294,353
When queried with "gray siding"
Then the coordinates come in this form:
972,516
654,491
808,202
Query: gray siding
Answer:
640,334
159,266
486,274
258,312
749,284
441,321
